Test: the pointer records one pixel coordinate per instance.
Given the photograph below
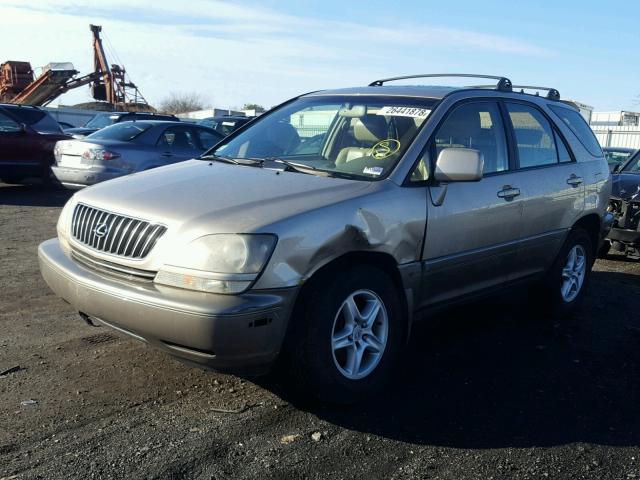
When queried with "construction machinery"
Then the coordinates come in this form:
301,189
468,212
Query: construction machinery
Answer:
108,83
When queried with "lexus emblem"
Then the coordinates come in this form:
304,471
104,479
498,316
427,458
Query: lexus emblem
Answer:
101,230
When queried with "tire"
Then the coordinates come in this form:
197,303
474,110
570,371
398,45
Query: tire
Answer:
325,369
565,284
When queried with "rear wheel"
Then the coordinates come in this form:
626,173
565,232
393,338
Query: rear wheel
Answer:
565,284
348,335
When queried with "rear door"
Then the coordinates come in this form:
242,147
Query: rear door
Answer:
552,185
473,227
176,144
17,145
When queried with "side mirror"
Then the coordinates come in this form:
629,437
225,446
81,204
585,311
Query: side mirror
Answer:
459,165
616,168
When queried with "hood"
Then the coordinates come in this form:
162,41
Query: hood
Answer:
626,185
213,197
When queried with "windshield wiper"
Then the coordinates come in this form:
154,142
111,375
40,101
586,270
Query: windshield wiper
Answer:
257,162
300,167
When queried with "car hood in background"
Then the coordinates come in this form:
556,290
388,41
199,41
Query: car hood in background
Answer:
213,197
626,185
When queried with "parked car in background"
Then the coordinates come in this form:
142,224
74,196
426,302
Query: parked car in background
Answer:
225,124
105,119
616,156
416,198
128,147
27,138
625,207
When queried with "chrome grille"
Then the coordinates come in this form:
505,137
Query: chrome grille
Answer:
114,269
125,236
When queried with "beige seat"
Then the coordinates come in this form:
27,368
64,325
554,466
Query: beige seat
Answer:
367,131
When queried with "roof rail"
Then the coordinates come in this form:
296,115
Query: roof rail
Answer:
504,84
552,93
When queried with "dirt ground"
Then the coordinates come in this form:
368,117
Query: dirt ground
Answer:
489,391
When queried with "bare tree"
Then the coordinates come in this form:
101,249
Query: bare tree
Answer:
181,102
253,106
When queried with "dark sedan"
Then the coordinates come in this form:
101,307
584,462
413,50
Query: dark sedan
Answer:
129,147
616,156
105,119
27,138
625,207
225,124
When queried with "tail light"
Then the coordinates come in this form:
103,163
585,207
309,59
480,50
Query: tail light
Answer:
99,154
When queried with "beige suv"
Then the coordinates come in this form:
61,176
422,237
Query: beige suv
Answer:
318,233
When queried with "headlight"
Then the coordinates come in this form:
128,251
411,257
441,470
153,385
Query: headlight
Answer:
62,228
224,263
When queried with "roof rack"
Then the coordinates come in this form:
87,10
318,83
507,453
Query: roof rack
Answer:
552,93
504,84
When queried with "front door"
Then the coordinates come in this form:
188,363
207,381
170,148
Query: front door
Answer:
473,228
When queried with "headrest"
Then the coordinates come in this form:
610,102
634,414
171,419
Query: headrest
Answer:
529,136
369,128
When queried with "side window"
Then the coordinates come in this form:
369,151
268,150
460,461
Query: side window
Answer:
478,126
534,136
207,139
178,138
563,153
579,127
8,125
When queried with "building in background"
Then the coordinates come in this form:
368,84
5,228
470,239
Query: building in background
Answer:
620,118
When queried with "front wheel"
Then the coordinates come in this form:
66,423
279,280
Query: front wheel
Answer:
349,335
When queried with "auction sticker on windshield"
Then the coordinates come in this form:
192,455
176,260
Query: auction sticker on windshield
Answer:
413,112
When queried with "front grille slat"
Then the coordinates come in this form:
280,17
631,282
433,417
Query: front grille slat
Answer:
123,236
113,269
113,234
134,234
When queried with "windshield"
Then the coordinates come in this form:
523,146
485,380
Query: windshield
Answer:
634,165
101,121
361,136
615,157
124,132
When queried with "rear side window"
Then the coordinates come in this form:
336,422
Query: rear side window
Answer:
178,138
479,126
37,119
535,139
579,127
123,132
7,125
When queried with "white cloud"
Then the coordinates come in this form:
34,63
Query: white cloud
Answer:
231,52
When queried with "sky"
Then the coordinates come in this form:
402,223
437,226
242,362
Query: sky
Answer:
236,52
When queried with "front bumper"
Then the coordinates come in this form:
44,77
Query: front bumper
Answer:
75,178
624,235
239,333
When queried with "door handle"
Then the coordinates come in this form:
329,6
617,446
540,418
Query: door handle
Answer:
166,154
574,180
508,192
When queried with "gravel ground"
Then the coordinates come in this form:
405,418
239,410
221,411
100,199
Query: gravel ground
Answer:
488,392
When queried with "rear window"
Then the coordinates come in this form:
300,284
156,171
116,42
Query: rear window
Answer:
123,132
39,120
579,127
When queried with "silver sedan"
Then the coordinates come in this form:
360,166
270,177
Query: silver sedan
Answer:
126,148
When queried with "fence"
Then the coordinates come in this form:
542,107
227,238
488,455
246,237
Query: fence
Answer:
628,137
